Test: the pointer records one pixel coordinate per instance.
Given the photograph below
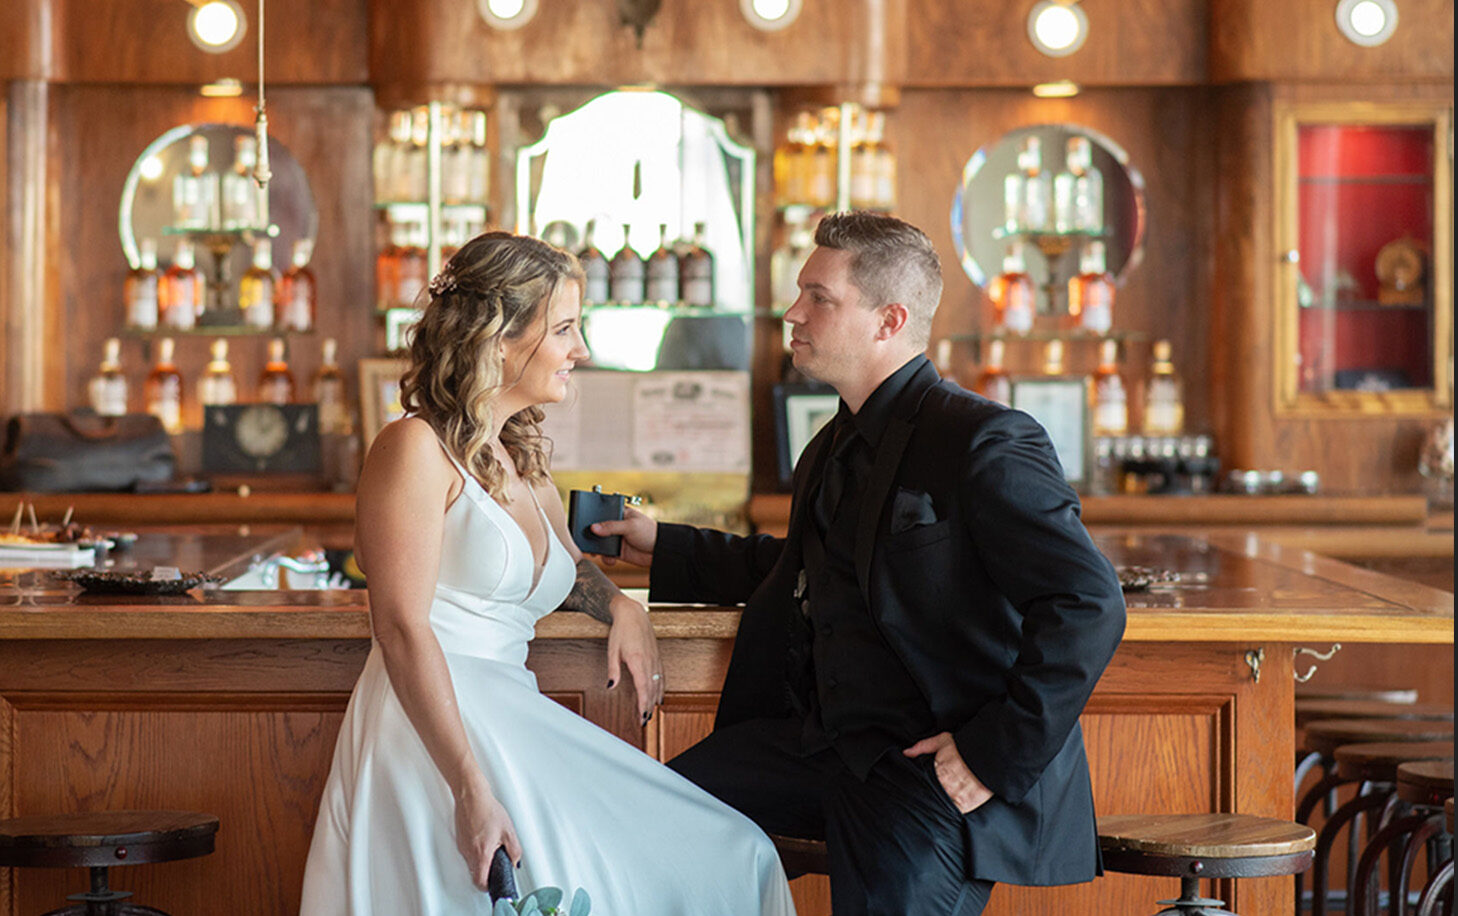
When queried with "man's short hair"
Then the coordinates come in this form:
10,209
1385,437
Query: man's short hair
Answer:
891,261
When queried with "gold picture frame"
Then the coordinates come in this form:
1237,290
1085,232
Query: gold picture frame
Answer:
379,395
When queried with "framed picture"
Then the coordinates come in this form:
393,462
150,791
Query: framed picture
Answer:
379,395
1061,405
800,412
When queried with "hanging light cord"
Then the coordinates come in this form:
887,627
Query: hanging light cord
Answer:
261,172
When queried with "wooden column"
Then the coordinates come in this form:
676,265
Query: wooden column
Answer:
29,384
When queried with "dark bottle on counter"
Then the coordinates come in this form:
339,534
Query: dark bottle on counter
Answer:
696,270
594,266
626,279
276,382
661,286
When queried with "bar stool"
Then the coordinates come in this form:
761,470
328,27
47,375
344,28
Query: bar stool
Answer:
99,840
1195,846
1424,786
1324,736
1308,711
1356,692
1374,764
800,856
1437,897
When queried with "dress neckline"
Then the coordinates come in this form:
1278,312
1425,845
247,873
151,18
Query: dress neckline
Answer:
538,570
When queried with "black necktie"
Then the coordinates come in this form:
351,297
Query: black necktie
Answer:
837,469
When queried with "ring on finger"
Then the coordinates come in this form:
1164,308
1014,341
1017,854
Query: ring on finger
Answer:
657,677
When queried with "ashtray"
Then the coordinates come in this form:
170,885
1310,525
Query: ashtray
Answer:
1140,578
111,582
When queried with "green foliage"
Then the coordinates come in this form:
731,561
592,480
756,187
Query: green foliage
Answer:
545,901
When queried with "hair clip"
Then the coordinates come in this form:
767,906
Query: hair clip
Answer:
443,283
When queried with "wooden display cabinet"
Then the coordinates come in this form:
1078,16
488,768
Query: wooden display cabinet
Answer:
1363,297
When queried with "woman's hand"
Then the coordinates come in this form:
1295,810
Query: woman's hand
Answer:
631,642
482,825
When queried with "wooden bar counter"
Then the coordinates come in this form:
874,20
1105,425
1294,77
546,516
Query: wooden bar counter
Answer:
228,702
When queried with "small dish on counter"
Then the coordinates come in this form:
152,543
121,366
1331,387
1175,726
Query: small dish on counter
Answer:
112,582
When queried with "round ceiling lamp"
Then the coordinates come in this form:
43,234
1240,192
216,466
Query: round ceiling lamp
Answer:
1057,28
507,14
770,15
1367,22
216,26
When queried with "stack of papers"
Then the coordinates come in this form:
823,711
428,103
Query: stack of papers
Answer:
46,556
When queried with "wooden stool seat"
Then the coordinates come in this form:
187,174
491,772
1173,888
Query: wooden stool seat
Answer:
1378,761
1425,782
1352,692
1308,711
800,856
1326,735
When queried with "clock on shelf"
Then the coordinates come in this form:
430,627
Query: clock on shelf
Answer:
261,438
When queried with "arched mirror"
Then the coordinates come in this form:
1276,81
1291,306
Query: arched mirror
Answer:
194,184
646,160
1043,193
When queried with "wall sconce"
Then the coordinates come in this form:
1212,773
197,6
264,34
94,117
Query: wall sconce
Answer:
507,14
216,26
1058,89
770,15
1057,27
1367,22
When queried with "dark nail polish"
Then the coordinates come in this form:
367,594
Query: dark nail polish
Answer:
610,684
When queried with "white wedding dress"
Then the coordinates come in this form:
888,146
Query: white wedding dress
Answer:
591,811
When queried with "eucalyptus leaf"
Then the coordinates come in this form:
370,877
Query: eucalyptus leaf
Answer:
581,903
548,898
529,906
503,908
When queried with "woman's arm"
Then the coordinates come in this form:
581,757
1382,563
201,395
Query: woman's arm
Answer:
404,489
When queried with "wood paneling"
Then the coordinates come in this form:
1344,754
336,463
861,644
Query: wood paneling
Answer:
434,42
985,43
99,133
1298,40
145,41
1169,139
28,39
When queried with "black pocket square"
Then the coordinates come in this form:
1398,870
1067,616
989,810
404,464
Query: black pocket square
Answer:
911,509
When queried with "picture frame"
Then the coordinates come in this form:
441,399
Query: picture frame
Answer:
1061,406
379,396
800,411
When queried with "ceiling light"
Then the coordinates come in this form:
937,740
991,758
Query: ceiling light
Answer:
1367,22
1060,89
770,15
1057,27
216,26
507,14
225,88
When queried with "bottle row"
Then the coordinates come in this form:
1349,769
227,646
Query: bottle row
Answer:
163,389
679,272
1069,202
1163,399
206,199
806,166
1012,294
401,270
401,166
177,298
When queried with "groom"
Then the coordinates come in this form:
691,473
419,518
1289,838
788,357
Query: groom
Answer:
913,657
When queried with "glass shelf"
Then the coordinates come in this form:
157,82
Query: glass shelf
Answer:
419,209
217,330
975,337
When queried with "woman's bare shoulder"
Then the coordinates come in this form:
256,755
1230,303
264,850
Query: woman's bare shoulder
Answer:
407,448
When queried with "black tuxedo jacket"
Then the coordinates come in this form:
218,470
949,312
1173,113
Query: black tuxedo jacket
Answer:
983,580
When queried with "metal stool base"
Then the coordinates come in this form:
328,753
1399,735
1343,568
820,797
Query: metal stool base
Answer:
101,900
1191,903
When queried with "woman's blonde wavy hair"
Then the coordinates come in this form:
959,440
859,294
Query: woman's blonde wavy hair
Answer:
495,288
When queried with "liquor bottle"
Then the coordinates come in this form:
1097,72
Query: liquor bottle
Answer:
863,189
258,286
943,361
1091,292
328,391
1053,358
785,264
821,173
416,170
1164,405
594,267
140,289
1065,217
164,388
479,167
885,164
276,382
1037,192
180,294
993,382
661,285
1014,203
696,271
383,160
1088,187
410,278
240,192
387,265
216,385
452,236
1012,294
626,283
108,387
206,212
298,291
1110,397
787,166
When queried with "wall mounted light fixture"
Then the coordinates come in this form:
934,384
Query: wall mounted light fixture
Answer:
216,26
1367,22
507,14
1057,28
1058,89
770,15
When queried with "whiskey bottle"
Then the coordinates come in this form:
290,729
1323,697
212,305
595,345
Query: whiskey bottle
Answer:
410,277
661,286
479,182
594,266
387,264
140,289
180,294
1012,294
1164,405
1091,292
328,391
863,190
207,212
821,172
787,165
696,271
107,390
785,264
1088,187
1053,358
885,164
455,158
943,361
258,287
1037,192
240,192
415,173
384,157
1110,397
993,382
298,291
164,388
216,385
626,282
276,382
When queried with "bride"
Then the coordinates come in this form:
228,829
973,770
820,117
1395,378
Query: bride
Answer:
447,750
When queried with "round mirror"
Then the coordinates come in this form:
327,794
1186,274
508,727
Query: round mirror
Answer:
194,185
1044,193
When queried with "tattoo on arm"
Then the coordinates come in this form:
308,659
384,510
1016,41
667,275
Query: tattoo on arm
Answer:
593,592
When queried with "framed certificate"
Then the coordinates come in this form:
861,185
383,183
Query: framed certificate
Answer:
1061,406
